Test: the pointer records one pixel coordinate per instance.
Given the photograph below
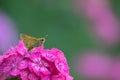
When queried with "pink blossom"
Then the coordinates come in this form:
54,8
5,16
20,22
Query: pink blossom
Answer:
11,64
38,63
2,75
94,65
8,33
56,56
45,62
105,25
114,72
48,62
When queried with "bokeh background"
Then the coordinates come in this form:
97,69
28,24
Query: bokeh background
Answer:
62,24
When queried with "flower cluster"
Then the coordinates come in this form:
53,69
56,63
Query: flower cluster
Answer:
36,64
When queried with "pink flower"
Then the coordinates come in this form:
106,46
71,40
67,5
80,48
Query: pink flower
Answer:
114,72
94,65
105,25
38,63
11,64
47,62
57,56
8,33
2,75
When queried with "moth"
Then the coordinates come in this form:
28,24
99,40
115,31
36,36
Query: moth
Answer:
31,42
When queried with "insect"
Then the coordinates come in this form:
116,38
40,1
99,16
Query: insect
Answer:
31,42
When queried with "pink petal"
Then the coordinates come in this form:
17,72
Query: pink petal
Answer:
47,54
14,72
3,77
21,49
58,77
62,67
45,78
24,74
32,76
7,69
35,57
23,64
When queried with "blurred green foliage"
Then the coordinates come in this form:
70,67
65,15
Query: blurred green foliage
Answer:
13,79
55,18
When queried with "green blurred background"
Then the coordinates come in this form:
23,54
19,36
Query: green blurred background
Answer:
66,30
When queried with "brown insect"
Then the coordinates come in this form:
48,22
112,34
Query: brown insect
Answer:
31,42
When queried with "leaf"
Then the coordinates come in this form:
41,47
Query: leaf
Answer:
31,42
13,79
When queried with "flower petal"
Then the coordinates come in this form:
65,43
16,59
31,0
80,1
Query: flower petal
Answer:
14,72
